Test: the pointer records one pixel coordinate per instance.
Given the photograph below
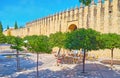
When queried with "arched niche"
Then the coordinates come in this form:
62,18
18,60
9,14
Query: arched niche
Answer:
72,27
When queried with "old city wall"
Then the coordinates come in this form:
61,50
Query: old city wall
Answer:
103,17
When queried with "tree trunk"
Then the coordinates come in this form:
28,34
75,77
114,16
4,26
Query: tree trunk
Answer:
59,51
84,61
17,58
112,58
37,65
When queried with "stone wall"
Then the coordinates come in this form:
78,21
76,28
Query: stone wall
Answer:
103,17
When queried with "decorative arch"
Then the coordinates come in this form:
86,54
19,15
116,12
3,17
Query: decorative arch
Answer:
72,27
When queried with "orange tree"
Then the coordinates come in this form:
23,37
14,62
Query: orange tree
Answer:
10,39
2,38
57,40
17,43
110,41
86,39
38,44
1,27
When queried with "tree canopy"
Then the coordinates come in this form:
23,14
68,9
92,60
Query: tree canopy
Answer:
109,41
82,39
38,44
57,39
71,41
85,2
1,27
2,38
16,26
85,39
10,39
17,43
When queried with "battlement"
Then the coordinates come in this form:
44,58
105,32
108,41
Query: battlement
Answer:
75,11
100,16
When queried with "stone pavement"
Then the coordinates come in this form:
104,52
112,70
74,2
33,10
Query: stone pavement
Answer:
48,69
93,70
98,70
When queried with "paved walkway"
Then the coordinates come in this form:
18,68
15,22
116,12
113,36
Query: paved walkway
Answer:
93,70
97,70
48,69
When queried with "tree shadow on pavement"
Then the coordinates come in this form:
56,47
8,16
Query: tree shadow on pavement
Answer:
93,70
8,66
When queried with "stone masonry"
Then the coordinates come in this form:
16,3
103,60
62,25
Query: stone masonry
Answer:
103,17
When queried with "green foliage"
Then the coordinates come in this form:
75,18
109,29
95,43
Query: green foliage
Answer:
38,44
85,2
57,39
10,39
17,43
16,26
30,37
1,28
71,41
82,39
86,39
109,41
2,38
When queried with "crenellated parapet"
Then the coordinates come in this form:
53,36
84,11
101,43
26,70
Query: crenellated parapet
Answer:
103,17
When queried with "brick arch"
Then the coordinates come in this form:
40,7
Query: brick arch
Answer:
72,27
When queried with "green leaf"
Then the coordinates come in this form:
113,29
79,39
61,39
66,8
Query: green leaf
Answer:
38,44
82,39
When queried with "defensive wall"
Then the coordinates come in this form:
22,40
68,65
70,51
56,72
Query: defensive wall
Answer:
103,17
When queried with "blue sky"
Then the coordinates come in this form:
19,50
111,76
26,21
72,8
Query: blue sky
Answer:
24,11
